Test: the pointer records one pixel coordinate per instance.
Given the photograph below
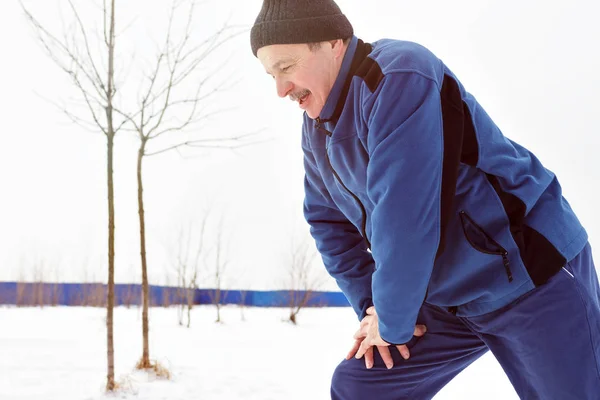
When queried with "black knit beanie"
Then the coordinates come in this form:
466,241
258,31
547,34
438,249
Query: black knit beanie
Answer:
298,21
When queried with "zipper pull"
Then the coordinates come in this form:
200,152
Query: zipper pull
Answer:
319,125
507,266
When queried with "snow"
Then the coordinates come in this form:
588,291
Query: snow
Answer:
58,353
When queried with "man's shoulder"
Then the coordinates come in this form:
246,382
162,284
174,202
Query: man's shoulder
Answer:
394,56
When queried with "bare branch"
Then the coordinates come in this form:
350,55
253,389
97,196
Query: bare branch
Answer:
193,117
180,127
209,143
230,147
89,103
150,88
110,90
104,25
212,42
192,122
46,38
224,139
201,241
87,125
85,41
220,87
162,112
129,119
176,77
176,62
174,6
125,76
303,279
126,28
165,52
207,52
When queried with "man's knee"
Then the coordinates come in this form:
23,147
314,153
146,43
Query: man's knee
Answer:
346,383
352,380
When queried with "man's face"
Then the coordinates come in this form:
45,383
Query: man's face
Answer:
304,75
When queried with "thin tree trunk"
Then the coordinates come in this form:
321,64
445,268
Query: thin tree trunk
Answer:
110,377
145,361
110,383
189,310
218,301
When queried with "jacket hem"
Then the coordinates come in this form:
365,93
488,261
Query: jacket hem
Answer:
475,309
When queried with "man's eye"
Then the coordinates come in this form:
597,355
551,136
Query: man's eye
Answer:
286,69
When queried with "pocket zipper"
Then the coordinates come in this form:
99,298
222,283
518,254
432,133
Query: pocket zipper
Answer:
567,271
501,252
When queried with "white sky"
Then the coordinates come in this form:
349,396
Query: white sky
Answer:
533,65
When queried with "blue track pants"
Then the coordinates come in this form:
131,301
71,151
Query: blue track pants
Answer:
547,342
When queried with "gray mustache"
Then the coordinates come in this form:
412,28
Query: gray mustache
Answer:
299,95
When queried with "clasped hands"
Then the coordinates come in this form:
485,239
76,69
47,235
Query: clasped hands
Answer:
368,336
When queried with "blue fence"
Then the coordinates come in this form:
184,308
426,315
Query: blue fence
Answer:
94,295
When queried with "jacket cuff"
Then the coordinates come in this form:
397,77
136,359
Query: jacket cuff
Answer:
363,313
392,343
386,332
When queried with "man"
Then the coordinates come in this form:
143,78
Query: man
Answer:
429,218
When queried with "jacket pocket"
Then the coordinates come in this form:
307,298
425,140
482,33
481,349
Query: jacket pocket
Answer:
481,241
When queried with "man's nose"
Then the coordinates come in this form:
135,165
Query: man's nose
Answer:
283,87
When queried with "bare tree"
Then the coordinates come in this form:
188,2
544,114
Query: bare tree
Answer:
243,296
166,108
235,280
190,249
217,269
39,272
93,77
303,278
190,292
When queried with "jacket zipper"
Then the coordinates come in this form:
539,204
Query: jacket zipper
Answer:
502,252
337,177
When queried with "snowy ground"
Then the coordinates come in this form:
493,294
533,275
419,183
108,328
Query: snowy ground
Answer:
59,354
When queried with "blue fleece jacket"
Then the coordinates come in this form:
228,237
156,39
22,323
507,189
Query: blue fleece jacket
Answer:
414,195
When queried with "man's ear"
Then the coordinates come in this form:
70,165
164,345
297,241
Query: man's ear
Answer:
337,46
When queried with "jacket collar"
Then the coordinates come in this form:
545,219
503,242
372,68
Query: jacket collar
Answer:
355,54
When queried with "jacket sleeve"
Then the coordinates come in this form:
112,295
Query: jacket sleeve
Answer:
405,135
342,247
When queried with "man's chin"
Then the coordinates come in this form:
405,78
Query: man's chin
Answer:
313,113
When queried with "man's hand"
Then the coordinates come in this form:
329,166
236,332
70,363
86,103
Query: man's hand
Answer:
383,350
368,336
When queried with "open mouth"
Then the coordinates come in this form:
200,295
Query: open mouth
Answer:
303,98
